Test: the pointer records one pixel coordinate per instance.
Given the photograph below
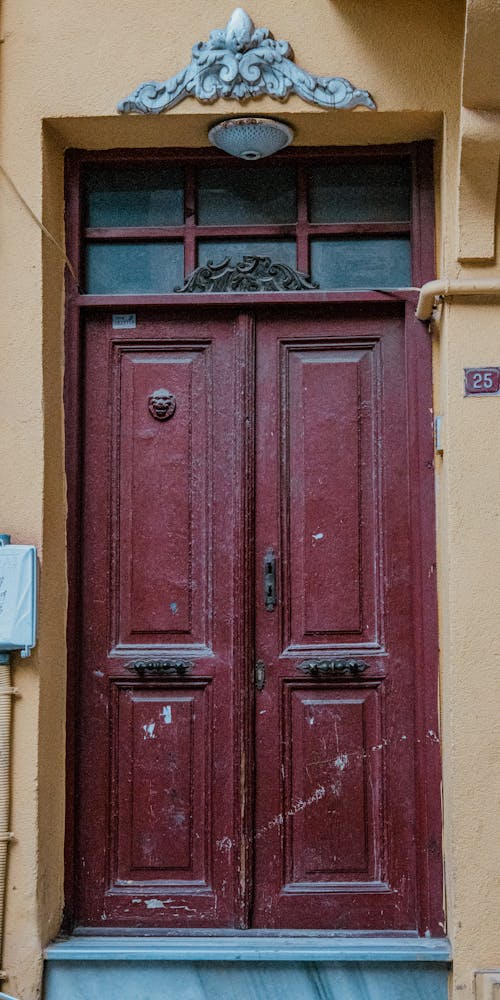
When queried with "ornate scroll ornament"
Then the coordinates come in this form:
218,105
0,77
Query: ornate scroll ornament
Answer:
252,274
162,404
328,668
241,61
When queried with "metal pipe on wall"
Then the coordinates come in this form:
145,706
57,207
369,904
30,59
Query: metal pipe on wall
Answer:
6,692
444,288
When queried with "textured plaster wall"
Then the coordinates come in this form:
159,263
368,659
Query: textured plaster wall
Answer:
64,64
468,515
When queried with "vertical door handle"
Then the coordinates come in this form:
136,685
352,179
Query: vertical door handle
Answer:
270,580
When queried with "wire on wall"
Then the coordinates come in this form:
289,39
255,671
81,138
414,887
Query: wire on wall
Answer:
39,223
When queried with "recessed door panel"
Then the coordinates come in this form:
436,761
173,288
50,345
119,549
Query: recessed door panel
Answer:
329,492
333,786
160,788
163,470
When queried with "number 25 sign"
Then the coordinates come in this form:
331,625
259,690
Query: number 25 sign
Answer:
482,381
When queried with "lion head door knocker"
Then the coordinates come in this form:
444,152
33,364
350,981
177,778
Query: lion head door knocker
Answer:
162,404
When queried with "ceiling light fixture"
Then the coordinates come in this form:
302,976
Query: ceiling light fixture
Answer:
250,138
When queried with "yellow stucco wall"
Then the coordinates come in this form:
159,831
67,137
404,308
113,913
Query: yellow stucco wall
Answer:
64,64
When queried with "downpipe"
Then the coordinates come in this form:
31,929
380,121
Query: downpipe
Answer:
443,289
6,693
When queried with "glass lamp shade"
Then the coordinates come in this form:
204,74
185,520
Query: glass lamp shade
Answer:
250,138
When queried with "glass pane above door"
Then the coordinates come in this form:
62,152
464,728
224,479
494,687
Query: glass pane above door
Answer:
345,221
255,195
280,251
134,268
143,195
354,262
360,192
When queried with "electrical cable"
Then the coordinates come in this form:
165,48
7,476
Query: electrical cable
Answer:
39,223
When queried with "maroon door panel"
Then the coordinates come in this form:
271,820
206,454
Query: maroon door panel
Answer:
329,475
159,752
209,793
160,784
335,802
330,778
162,472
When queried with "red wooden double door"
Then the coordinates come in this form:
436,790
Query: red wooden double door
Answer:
251,644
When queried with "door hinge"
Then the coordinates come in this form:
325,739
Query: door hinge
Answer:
260,675
438,434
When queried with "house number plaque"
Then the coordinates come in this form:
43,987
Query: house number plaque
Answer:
482,381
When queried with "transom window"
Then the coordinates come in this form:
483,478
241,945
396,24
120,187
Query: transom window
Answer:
344,222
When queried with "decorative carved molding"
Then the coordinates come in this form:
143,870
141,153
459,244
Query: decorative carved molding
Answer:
252,274
162,404
241,61
327,668
160,667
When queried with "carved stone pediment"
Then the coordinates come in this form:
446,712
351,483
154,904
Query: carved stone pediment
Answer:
241,61
252,274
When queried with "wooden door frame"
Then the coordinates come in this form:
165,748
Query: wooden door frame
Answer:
419,397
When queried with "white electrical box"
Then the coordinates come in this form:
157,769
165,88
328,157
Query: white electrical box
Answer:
18,598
